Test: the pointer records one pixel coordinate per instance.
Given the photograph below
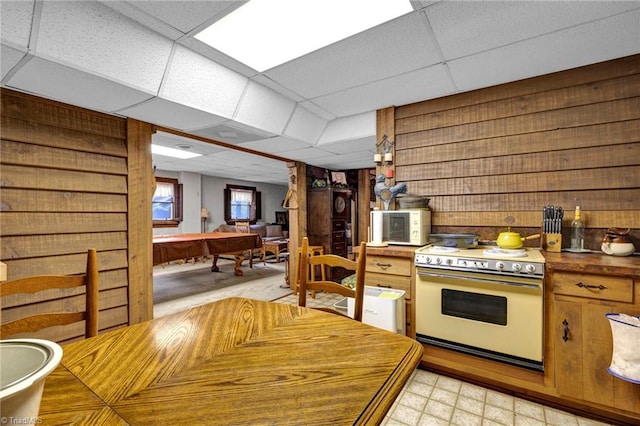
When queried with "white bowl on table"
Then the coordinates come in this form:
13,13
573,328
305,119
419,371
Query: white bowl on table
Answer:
24,366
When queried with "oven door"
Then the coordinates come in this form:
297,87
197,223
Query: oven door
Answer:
468,311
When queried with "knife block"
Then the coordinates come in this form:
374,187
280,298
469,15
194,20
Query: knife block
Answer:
552,242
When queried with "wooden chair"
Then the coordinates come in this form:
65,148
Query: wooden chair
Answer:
35,284
310,282
311,251
245,228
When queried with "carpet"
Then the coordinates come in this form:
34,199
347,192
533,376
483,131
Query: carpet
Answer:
195,285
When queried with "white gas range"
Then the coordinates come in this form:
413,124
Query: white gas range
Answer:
484,301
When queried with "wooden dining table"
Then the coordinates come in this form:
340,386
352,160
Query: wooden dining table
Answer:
236,361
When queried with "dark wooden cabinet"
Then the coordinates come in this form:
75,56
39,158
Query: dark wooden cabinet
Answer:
329,212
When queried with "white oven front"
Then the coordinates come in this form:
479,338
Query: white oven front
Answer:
488,315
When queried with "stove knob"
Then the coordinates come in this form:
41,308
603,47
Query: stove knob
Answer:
500,265
438,260
516,267
530,268
449,261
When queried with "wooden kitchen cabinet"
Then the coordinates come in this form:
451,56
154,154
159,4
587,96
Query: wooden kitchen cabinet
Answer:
582,337
393,267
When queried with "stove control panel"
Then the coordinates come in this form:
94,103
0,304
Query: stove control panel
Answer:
502,266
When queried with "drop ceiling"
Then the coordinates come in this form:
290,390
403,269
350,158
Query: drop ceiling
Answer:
140,59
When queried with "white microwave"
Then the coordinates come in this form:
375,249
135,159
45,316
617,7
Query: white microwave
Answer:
402,227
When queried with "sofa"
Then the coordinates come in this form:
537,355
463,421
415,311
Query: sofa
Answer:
267,232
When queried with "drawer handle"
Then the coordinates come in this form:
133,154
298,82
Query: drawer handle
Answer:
565,327
599,287
383,286
383,265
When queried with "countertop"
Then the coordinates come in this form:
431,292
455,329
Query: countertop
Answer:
594,263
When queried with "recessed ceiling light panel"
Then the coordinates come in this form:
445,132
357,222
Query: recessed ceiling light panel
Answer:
172,152
265,33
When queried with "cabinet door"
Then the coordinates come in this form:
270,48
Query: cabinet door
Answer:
568,348
582,360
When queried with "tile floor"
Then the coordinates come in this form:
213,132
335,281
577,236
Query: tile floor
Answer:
430,399
433,399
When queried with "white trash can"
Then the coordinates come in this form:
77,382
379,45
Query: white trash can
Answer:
625,361
383,308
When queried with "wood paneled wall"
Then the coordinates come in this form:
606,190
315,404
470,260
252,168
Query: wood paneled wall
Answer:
65,182
563,138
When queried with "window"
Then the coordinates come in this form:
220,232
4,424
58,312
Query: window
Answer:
241,203
166,205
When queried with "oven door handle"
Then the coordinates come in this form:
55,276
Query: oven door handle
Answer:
476,279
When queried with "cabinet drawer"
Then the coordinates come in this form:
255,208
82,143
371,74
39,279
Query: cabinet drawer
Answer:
338,225
389,265
619,289
339,249
396,282
338,237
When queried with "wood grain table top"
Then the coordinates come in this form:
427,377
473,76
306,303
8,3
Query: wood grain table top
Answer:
234,361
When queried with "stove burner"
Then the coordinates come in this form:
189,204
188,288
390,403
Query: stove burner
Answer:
497,251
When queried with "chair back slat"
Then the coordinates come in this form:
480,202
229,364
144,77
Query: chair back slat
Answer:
38,283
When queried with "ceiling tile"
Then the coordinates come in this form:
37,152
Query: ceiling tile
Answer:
353,146
277,145
601,40
402,89
16,23
69,85
228,134
317,110
352,160
421,4
92,37
265,109
200,83
10,58
305,125
250,129
171,141
307,155
464,28
170,114
353,127
216,56
398,46
267,82
187,15
131,11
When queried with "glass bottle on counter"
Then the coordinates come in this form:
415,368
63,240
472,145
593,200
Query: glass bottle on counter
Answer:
577,231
